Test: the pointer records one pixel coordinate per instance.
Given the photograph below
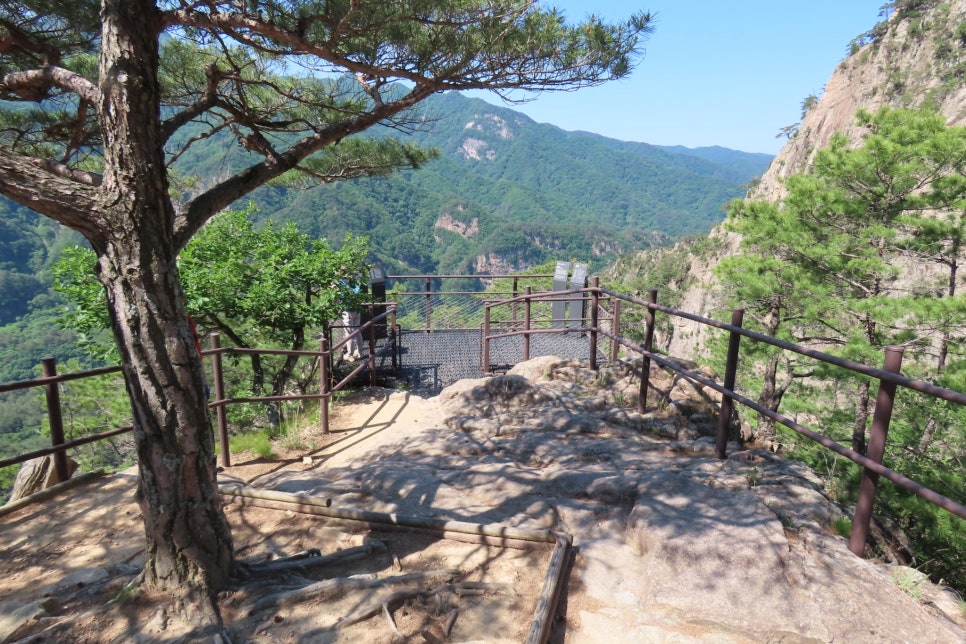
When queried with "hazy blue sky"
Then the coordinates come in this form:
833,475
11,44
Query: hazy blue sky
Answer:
716,72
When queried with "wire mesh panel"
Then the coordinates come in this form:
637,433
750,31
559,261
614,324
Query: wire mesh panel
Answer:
441,340
457,302
439,311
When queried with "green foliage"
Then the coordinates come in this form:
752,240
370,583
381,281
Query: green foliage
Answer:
87,314
257,442
276,278
910,583
93,405
843,526
35,336
270,287
829,267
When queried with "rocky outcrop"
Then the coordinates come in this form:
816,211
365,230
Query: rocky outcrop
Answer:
461,228
476,149
917,59
482,127
673,543
36,475
494,264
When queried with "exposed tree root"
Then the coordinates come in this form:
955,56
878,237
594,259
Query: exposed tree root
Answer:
56,629
387,600
309,559
330,587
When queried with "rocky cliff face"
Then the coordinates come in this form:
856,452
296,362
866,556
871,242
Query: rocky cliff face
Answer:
915,59
918,60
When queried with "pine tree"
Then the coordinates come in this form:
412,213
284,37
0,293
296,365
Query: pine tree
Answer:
96,93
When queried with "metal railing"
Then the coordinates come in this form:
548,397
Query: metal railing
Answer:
51,381
888,377
502,318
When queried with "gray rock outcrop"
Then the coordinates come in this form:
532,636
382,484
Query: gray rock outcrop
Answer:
673,544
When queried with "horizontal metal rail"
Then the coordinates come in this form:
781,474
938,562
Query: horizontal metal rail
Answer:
889,379
51,380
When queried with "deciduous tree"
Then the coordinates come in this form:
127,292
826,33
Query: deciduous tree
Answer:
270,288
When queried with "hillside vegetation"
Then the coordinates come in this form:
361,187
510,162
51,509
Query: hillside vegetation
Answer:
507,193
852,243
504,193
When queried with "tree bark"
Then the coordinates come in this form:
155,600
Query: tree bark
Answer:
861,419
771,394
275,413
189,546
769,398
932,424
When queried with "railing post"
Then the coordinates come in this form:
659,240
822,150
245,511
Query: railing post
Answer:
875,450
429,302
486,339
516,306
527,321
324,384
594,303
648,346
220,415
615,328
52,392
372,353
731,370
395,336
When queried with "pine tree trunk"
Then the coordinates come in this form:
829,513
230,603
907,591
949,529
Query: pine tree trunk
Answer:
769,398
932,424
188,538
861,419
189,545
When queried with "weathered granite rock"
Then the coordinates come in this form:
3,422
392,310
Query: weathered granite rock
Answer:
673,544
37,474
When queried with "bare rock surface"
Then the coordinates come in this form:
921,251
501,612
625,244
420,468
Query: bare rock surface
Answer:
674,545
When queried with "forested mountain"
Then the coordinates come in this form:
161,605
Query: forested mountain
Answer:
507,192
504,193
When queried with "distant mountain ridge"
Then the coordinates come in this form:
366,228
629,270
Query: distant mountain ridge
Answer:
506,193
534,191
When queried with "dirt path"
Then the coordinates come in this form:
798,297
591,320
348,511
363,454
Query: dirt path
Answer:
64,563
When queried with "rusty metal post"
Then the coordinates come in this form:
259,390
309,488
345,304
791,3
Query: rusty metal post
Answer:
527,321
372,354
394,336
594,315
486,339
324,384
615,331
52,392
429,302
648,346
731,370
876,449
516,305
220,416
